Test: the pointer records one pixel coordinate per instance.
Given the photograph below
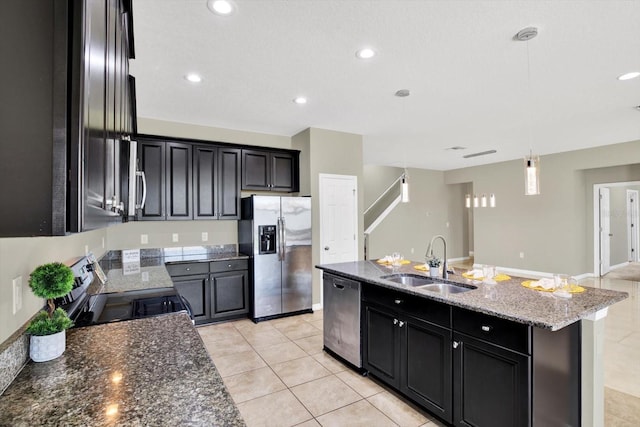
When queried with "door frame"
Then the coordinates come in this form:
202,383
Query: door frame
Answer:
353,179
633,219
596,219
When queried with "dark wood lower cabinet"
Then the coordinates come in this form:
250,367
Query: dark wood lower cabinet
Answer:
492,385
195,289
219,290
229,294
411,355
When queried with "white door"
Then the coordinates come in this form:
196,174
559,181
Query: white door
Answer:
632,225
605,232
338,218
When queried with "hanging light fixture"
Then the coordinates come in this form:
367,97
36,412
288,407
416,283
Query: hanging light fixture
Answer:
483,201
475,201
531,175
404,189
467,201
531,163
492,200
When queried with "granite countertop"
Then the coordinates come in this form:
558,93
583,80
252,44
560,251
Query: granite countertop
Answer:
506,299
152,371
150,271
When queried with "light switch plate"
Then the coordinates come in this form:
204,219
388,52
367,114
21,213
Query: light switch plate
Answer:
205,236
174,237
17,294
144,239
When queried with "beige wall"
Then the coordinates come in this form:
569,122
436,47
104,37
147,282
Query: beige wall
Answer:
19,256
185,130
555,229
328,152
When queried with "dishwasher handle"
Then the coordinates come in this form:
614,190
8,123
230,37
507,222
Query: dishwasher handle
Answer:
339,287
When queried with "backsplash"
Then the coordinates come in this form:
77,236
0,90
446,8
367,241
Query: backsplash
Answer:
14,353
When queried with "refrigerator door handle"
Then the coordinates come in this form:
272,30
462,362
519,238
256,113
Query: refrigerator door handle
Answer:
279,243
284,239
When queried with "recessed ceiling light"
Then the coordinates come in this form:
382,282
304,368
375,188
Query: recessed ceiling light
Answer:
300,100
629,76
365,53
221,7
193,78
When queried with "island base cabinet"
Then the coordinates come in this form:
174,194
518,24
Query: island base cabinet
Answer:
411,355
491,385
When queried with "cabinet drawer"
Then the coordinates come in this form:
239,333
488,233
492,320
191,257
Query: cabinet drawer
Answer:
182,269
421,308
505,333
229,265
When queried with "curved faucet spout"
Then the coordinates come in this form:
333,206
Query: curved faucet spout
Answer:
429,253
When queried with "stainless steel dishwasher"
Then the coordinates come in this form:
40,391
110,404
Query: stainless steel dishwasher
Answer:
341,307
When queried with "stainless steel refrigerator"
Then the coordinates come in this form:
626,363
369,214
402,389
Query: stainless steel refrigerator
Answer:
276,232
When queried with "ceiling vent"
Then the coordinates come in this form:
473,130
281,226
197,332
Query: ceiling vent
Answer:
483,153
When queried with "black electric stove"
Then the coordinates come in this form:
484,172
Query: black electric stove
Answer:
87,310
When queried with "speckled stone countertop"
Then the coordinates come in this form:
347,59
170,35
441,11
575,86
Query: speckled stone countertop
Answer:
145,372
507,299
150,272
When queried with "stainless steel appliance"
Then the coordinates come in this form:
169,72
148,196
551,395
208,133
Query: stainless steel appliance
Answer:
341,318
92,309
276,232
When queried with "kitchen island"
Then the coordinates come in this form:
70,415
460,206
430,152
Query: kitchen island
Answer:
495,354
152,371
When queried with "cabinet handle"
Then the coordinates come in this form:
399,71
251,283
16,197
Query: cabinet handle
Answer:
395,321
229,266
401,324
486,328
456,344
398,301
188,269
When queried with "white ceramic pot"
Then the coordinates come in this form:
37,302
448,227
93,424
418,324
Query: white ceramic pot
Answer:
434,271
47,347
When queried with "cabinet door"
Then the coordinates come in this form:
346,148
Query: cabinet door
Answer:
205,182
283,172
195,289
228,187
426,366
381,347
178,185
491,384
229,294
151,158
255,170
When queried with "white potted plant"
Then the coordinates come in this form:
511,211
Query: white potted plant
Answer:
47,328
434,266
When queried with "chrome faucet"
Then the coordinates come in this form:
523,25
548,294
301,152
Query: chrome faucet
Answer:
429,254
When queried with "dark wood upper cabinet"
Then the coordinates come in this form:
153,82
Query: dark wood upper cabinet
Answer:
229,164
151,157
178,184
270,170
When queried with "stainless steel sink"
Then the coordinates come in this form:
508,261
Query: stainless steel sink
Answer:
408,279
446,288
428,284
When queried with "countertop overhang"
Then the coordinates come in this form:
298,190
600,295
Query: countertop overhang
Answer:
507,299
152,371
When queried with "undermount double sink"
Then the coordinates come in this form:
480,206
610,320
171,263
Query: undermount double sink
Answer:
428,284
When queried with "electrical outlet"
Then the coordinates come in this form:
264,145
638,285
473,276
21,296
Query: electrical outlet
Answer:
447,224
205,236
412,251
17,294
103,243
144,239
174,237
521,254
145,276
86,250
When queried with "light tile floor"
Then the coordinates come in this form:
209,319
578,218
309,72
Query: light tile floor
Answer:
278,374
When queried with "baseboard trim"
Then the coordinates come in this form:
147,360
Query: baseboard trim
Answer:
316,307
532,273
617,266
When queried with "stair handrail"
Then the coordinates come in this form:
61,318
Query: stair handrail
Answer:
384,193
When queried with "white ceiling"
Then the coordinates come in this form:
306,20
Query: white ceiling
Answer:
467,76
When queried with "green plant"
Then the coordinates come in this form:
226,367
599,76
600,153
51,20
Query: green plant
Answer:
50,281
434,262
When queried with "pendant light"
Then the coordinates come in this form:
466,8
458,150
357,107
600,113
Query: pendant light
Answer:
492,200
531,163
467,201
404,189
